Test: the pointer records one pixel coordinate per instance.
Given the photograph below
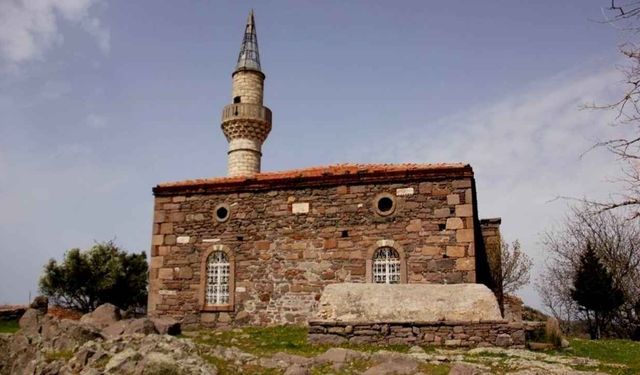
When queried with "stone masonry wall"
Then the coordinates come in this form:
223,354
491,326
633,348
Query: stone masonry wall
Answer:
287,244
248,85
449,334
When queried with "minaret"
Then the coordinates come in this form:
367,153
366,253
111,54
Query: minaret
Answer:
246,123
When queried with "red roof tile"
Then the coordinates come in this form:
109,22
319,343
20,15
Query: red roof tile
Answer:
326,173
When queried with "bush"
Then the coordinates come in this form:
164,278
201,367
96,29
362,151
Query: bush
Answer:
102,274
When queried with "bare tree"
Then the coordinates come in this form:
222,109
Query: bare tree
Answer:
625,16
516,267
616,240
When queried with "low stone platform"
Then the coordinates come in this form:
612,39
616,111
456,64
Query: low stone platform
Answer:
368,302
455,315
446,333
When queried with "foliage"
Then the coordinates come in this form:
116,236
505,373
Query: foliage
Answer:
515,266
104,273
594,291
9,326
616,241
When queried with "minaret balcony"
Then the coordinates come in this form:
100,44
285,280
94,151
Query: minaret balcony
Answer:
244,111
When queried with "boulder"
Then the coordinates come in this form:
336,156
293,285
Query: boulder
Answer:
40,303
30,322
140,325
167,326
296,370
464,369
114,329
395,367
367,302
292,359
338,355
102,316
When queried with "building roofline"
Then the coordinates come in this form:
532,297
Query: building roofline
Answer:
332,175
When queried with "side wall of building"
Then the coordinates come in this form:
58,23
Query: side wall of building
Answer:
285,245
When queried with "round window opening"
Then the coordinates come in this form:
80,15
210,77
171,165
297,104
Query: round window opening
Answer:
222,213
385,204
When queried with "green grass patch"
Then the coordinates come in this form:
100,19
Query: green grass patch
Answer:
429,368
623,352
228,368
262,340
291,339
9,326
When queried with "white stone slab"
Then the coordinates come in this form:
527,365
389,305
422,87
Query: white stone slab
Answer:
183,239
166,292
300,208
241,289
211,240
368,302
404,191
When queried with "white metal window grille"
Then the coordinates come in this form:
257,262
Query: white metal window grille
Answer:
386,266
217,290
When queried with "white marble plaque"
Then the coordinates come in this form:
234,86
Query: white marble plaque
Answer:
404,191
300,208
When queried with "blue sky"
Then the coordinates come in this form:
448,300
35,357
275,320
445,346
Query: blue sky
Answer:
100,101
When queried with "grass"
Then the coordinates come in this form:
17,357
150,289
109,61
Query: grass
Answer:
9,326
619,357
228,368
623,352
263,341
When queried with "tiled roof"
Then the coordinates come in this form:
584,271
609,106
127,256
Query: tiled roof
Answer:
329,172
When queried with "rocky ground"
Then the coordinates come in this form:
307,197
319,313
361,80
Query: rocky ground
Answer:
104,343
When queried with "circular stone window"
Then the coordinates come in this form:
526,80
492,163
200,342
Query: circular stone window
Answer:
221,212
385,204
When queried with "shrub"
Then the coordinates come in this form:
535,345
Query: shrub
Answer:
104,273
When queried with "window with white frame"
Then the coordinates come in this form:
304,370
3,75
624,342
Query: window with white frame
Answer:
218,270
386,266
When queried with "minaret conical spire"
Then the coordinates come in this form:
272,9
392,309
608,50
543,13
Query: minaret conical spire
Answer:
249,57
246,122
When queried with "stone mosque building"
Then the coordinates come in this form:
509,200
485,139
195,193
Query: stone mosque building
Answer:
257,248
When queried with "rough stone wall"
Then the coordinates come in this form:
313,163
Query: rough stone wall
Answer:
492,239
449,334
287,244
248,85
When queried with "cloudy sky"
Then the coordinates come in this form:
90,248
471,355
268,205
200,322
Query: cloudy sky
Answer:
100,101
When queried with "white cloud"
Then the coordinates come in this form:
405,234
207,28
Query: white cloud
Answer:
96,121
28,28
525,151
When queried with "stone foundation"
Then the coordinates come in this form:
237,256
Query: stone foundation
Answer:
447,333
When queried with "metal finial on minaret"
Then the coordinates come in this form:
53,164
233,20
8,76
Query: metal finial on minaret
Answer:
249,57
246,123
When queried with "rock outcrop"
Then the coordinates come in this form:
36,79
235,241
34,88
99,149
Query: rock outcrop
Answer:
100,342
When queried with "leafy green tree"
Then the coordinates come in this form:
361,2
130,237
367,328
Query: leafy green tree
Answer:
594,290
104,273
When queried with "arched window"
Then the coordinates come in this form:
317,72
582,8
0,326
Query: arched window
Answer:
386,266
217,282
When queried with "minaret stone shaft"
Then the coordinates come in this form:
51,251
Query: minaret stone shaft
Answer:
246,123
